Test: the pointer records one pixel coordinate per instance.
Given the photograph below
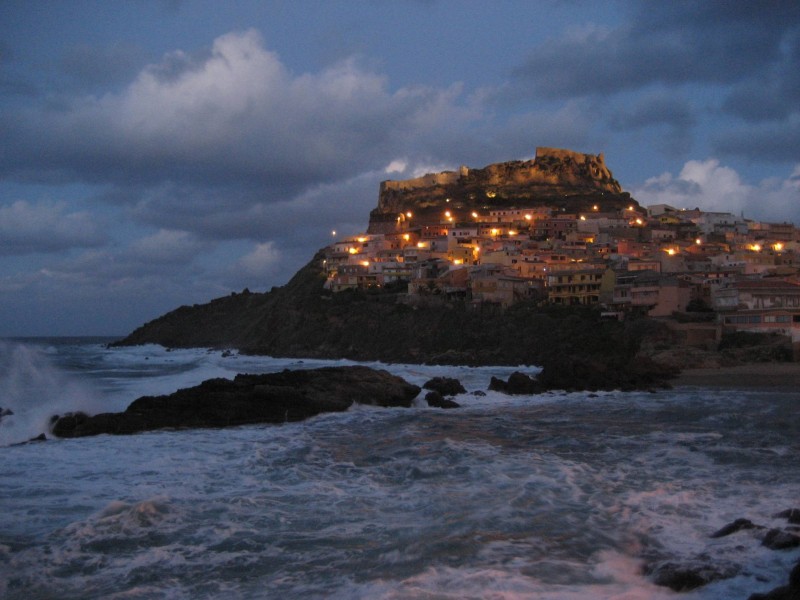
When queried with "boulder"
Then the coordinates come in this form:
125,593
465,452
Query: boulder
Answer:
735,526
792,515
435,399
518,383
683,577
248,399
446,386
779,539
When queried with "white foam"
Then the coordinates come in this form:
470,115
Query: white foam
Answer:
34,389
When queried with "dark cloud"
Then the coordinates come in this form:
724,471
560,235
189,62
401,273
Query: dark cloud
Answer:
773,93
766,143
47,227
667,43
237,214
654,109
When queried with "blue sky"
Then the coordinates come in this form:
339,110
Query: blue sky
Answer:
155,154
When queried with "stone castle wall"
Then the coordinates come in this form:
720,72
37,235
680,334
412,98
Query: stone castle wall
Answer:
429,180
552,166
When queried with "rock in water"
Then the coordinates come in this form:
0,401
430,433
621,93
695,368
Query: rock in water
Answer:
682,577
735,526
248,399
792,515
518,383
435,399
778,539
446,386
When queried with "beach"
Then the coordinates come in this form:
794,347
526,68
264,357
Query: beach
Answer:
768,376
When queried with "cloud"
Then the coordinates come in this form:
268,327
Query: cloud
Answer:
167,247
259,263
710,186
46,227
662,43
767,142
236,116
653,109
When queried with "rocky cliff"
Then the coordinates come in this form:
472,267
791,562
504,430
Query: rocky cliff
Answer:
566,180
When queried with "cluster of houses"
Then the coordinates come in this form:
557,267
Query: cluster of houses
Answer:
660,261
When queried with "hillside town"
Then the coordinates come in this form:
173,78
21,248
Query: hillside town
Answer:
679,264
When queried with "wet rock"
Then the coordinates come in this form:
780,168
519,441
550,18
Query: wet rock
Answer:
5,412
446,386
792,515
779,539
518,383
248,399
735,526
682,577
436,400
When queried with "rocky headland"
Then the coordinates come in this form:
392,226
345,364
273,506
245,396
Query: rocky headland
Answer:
248,399
578,348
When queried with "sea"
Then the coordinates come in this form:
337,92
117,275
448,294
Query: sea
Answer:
559,495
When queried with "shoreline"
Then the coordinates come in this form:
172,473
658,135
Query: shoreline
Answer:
754,376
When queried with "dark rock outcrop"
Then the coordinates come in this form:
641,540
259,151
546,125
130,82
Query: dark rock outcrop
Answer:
780,539
733,527
792,515
446,386
518,383
683,577
436,400
248,399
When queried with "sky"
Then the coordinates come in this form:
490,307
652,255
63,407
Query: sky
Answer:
161,153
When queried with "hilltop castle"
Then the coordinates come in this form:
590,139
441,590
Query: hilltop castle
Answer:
555,177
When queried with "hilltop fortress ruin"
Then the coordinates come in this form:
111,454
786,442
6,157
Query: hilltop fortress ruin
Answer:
563,179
